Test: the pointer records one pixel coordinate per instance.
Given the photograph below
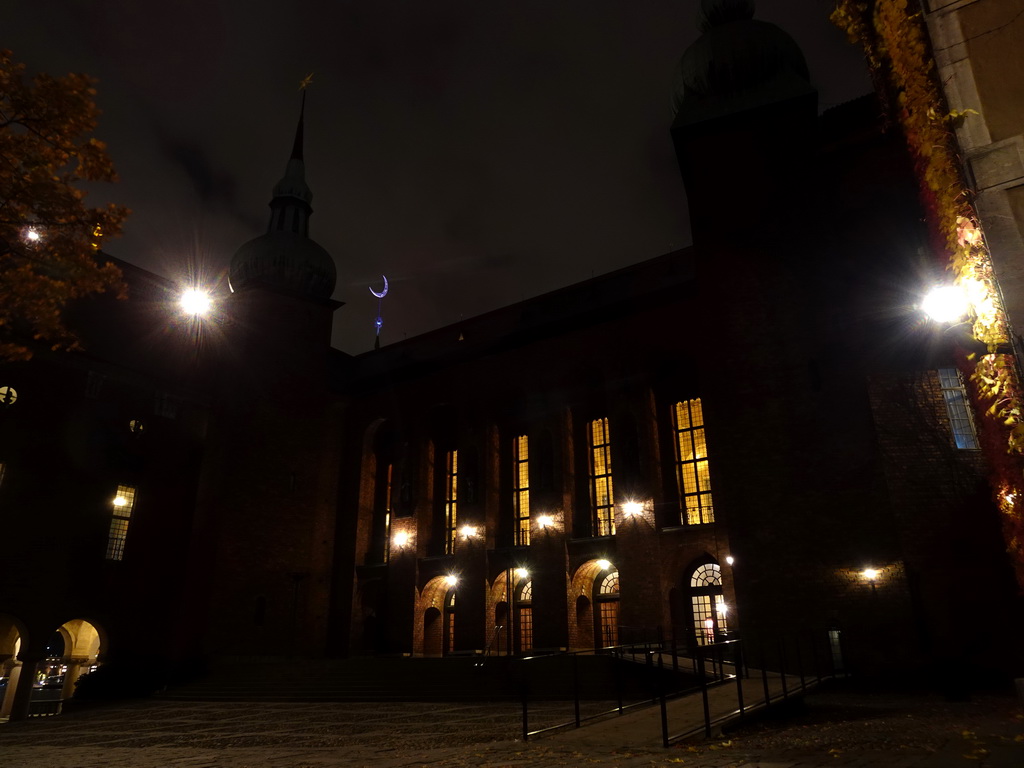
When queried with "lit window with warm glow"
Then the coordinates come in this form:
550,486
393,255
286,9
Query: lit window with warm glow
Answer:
524,608
451,516
607,598
692,463
955,397
708,604
521,489
601,490
121,513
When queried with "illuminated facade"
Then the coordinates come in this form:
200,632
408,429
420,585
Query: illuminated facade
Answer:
288,499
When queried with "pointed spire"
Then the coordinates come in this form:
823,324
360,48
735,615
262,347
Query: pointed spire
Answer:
291,206
299,130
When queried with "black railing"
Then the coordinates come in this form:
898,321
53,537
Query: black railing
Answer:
608,686
653,671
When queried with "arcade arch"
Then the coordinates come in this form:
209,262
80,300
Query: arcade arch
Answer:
594,612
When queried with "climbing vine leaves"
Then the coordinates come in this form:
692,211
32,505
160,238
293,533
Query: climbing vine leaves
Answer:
893,36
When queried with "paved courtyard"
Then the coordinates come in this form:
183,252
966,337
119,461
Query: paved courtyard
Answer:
833,729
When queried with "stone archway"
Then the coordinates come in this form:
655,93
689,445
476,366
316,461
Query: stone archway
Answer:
12,635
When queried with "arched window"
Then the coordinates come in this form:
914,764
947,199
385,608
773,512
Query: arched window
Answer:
607,599
692,471
524,608
708,604
449,621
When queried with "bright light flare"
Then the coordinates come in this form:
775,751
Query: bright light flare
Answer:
400,539
468,531
729,560
632,508
522,573
545,521
870,573
946,304
451,579
120,501
196,302
32,235
603,564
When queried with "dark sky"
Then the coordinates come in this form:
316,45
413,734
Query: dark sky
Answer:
477,152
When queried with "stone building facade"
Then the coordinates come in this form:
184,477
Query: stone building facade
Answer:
752,437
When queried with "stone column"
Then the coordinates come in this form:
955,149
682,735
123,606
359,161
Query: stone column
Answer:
23,689
12,684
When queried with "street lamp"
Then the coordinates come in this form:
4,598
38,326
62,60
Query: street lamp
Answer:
946,304
195,302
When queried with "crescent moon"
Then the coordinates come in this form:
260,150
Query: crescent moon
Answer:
383,293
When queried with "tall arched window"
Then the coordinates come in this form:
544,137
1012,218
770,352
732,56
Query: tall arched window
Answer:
692,463
449,621
607,599
524,607
708,602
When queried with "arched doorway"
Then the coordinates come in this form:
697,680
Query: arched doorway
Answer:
433,632
449,622
606,597
524,614
707,604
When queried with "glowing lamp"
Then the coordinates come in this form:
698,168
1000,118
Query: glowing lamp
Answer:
603,564
545,521
120,501
723,608
195,302
400,539
946,304
729,559
468,531
870,573
632,508
522,573
451,579
32,235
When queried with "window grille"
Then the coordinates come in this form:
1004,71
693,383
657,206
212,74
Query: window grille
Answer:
692,471
601,491
955,396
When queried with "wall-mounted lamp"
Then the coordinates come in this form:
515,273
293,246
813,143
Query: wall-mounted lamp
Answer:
451,579
401,540
729,559
522,573
632,509
468,531
603,564
545,521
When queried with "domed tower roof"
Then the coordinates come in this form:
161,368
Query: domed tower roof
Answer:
737,64
285,258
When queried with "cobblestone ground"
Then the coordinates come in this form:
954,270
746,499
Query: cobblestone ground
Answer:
833,729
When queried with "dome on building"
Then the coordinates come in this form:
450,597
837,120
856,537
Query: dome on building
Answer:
738,60
284,260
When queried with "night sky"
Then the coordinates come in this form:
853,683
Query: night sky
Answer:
477,152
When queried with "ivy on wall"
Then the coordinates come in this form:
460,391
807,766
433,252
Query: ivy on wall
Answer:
895,42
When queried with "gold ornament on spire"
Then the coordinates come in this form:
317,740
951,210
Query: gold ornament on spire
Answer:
306,82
